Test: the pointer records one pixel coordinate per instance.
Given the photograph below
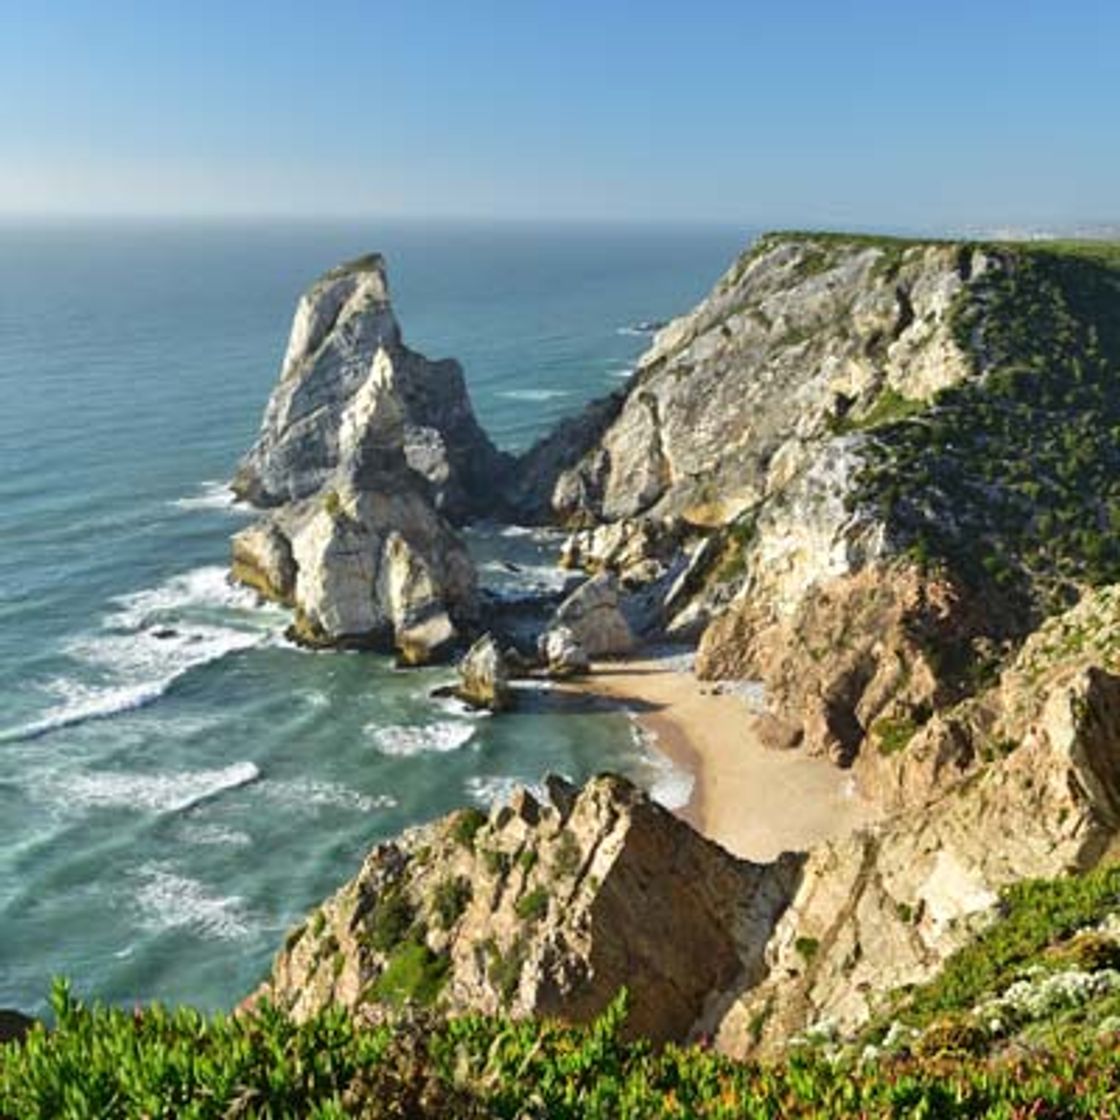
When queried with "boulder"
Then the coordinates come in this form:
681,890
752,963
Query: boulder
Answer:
562,654
593,614
262,559
483,677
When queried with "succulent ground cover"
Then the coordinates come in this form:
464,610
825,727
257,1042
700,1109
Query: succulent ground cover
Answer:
1045,974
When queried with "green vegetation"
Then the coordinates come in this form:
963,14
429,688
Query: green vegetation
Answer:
1035,916
413,974
888,407
503,968
738,538
391,921
893,733
807,948
332,503
450,898
466,827
497,862
1013,478
568,857
111,1063
533,906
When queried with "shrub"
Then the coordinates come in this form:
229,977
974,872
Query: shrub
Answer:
466,827
391,920
413,974
893,734
567,856
450,899
533,906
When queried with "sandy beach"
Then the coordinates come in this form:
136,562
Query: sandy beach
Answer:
754,801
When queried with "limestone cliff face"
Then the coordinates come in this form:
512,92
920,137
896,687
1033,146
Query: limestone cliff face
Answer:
361,553
899,453
341,322
733,400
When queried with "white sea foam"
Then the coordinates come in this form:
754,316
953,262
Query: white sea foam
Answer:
206,588
624,372
168,900
217,835
148,642
404,741
311,794
499,788
640,330
523,580
533,394
668,784
212,495
452,706
163,793
86,704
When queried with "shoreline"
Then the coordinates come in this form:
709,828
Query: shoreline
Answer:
754,801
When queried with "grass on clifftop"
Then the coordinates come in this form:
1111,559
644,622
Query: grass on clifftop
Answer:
154,1063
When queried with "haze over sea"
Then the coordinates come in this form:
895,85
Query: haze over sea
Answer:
178,785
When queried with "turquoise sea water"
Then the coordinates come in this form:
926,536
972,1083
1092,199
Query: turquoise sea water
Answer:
177,784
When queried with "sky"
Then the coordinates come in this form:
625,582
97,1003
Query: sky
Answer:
878,114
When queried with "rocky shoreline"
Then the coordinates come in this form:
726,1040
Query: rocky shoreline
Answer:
841,477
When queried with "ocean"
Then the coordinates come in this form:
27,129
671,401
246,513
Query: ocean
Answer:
178,784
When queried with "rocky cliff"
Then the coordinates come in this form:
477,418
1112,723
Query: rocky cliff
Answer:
885,463
549,910
543,910
880,477
341,322
364,443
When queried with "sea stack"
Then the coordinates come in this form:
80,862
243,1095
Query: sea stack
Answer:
367,452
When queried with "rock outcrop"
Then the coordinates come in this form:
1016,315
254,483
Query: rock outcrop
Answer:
727,404
343,320
484,677
886,907
867,431
543,910
874,649
366,559
550,910
593,615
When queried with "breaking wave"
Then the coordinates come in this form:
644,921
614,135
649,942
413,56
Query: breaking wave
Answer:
150,640
533,394
404,741
212,495
170,901
164,793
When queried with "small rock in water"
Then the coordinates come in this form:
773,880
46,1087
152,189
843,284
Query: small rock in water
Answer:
484,678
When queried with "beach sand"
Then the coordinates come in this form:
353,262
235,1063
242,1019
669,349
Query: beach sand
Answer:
753,801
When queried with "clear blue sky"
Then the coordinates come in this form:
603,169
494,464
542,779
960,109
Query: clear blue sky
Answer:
874,113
